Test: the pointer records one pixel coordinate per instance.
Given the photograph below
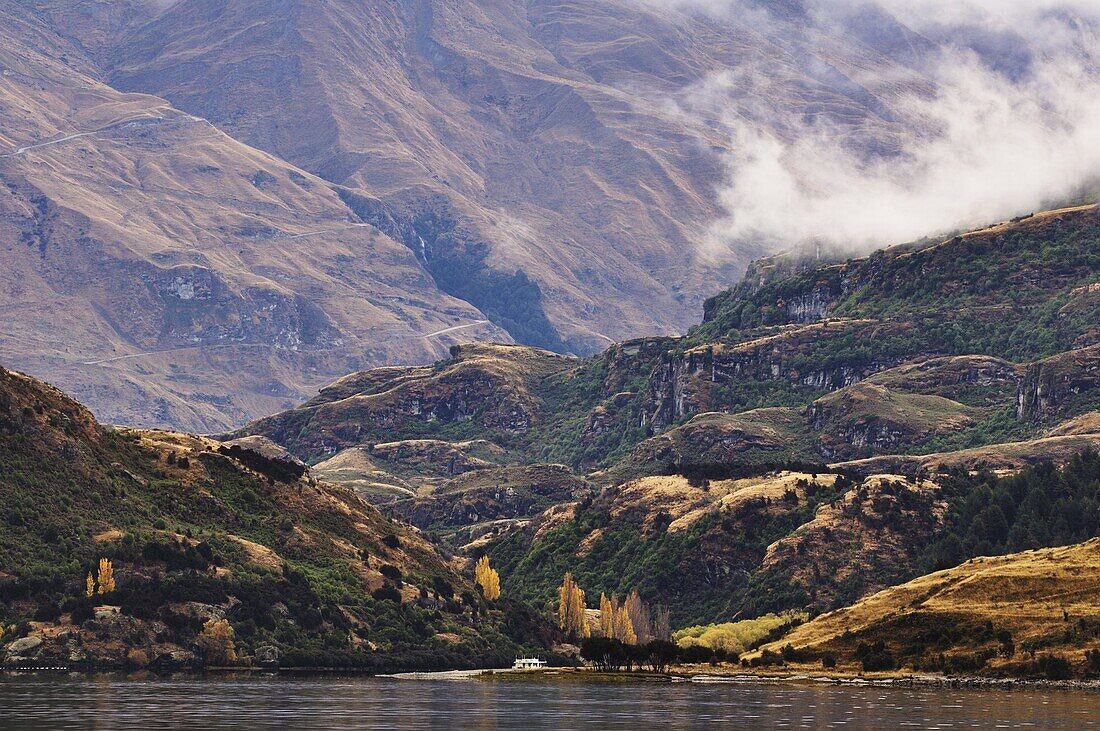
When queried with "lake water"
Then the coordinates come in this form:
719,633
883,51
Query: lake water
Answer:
378,703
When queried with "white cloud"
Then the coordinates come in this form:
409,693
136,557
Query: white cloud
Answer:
983,145
995,149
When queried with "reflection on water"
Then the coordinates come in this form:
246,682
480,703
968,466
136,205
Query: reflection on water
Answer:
363,703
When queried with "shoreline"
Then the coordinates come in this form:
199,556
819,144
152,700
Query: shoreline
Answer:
585,675
743,678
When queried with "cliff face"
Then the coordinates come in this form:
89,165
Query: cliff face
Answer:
953,280
690,383
1060,385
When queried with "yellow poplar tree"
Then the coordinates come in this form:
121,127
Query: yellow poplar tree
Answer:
89,585
106,576
624,631
487,578
638,612
571,606
607,616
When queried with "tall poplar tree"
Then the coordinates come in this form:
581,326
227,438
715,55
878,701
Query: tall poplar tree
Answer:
487,578
571,608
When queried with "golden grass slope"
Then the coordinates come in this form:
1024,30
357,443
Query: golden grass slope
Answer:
1043,598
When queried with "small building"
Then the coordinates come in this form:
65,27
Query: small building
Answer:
528,663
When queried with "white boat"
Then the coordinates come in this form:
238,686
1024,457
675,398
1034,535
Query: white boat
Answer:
528,663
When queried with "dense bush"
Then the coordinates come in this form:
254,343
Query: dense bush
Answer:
875,657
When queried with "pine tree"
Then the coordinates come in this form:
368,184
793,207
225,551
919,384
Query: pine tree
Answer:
106,576
89,585
487,578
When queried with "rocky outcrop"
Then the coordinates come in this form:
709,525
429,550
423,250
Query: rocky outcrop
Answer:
687,384
1057,386
868,418
490,388
436,458
763,436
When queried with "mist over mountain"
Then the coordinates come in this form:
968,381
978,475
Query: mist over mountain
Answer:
996,113
562,174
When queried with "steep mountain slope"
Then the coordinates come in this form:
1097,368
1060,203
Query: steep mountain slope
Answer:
198,531
531,153
905,350
726,548
741,546
169,275
908,370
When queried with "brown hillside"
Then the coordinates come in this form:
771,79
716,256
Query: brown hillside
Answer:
536,136
168,275
1005,609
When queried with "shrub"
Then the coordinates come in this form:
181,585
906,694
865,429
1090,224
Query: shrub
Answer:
443,587
387,593
1092,662
47,612
391,541
790,653
696,654
767,659
875,657
1053,667
82,613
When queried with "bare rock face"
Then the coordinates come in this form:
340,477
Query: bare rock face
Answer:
1055,385
23,648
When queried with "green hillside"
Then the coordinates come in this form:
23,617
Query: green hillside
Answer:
304,572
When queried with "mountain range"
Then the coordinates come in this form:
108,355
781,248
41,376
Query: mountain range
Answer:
827,434
339,299
235,203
